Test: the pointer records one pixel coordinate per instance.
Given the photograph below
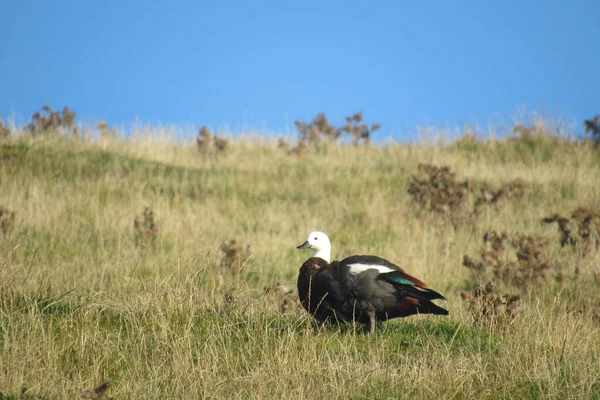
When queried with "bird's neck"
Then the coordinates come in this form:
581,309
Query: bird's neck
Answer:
325,254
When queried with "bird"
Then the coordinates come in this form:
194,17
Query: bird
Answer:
362,288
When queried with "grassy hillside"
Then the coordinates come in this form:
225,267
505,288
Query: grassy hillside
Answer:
163,314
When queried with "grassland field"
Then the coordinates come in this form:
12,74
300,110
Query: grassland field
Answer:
83,299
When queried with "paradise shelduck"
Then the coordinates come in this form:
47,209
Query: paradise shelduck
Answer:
359,288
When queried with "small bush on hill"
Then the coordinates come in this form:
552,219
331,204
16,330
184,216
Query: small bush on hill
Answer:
581,230
206,139
489,307
145,228
592,127
7,220
522,264
53,121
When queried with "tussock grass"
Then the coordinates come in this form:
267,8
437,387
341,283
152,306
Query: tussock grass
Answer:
83,301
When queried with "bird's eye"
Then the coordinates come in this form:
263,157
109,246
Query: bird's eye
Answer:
316,238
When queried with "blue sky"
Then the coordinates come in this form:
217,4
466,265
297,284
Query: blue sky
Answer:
259,65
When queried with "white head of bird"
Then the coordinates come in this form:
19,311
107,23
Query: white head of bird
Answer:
319,243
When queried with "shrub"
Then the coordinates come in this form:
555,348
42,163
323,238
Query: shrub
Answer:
7,220
53,121
144,227
581,230
220,143
592,126
105,131
437,189
356,128
521,264
234,255
320,129
512,191
491,308
286,297
206,138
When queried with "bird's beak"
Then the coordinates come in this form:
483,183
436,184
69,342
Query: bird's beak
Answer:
304,245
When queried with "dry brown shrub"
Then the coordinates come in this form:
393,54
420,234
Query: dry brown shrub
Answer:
320,129
53,121
283,144
490,308
592,126
314,132
206,138
581,231
234,255
7,220
521,264
509,192
580,306
106,131
589,226
437,189
527,134
298,149
144,226
285,295
565,228
356,128
231,295
220,143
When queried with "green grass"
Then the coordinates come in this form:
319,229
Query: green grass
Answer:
81,301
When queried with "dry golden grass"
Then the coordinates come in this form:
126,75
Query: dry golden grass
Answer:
82,301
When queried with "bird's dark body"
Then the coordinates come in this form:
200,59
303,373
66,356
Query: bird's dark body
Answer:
331,293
